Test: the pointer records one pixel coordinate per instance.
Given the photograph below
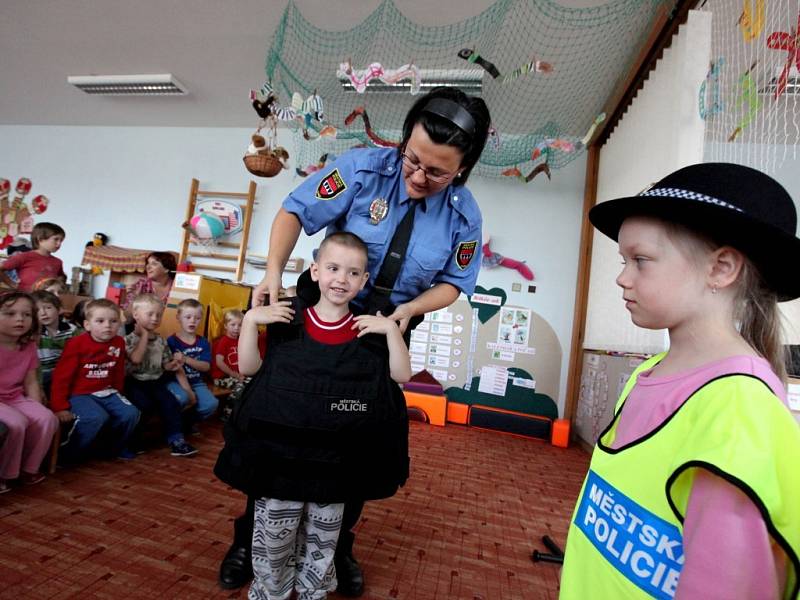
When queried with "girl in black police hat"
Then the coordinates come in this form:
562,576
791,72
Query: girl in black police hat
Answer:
702,442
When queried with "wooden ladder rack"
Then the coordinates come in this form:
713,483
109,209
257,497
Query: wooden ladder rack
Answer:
247,214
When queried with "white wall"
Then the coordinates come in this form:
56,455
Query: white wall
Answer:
133,184
660,133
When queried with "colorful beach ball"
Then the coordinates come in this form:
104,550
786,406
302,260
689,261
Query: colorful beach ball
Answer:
207,226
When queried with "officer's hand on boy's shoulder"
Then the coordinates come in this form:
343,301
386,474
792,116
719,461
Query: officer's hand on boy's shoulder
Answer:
376,323
278,312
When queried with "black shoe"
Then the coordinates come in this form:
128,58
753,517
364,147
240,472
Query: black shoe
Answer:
236,568
349,576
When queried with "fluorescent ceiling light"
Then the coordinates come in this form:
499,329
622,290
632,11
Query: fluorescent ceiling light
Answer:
129,85
467,80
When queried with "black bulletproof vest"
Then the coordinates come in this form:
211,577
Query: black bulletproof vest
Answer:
318,423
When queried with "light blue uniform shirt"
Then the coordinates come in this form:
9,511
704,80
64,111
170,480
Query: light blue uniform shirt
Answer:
445,244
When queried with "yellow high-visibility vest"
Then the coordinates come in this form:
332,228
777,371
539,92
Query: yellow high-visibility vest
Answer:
626,535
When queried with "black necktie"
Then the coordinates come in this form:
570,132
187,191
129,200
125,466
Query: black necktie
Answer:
393,261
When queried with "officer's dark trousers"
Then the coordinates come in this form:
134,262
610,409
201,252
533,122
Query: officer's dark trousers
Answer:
243,526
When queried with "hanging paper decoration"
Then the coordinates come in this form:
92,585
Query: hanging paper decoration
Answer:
554,143
15,216
360,78
749,97
540,168
494,139
39,204
470,55
493,259
780,40
360,111
305,112
712,78
752,24
534,66
317,166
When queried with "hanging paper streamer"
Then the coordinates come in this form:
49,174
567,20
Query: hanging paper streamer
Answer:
470,55
712,78
493,259
750,23
551,143
534,66
540,168
360,78
780,40
360,111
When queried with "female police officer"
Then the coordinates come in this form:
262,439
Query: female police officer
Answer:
423,231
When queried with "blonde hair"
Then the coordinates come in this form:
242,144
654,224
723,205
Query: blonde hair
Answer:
146,299
188,303
755,307
232,313
99,303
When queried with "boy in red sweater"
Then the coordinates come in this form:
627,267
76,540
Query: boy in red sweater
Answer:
87,381
39,263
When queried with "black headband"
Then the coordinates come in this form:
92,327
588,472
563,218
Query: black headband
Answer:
453,112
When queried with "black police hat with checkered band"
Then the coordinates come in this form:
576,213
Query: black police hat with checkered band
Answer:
734,204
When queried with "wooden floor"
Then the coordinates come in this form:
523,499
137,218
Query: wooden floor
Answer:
157,527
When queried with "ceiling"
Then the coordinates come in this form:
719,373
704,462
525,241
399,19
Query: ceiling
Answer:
217,49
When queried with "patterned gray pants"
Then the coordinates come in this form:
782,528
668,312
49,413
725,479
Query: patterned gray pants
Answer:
293,547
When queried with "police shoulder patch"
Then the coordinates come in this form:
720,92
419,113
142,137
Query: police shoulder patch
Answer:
331,186
465,252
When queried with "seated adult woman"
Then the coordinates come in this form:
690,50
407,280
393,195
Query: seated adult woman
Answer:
159,269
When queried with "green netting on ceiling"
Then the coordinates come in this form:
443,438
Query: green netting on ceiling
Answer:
589,50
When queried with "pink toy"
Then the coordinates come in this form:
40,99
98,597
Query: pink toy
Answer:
493,259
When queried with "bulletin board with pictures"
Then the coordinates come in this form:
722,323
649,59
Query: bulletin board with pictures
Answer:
483,342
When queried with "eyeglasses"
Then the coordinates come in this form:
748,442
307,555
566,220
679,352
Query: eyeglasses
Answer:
415,166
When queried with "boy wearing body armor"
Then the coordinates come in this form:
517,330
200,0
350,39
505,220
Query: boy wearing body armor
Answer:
322,422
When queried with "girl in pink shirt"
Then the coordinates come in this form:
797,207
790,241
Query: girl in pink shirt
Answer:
31,426
701,253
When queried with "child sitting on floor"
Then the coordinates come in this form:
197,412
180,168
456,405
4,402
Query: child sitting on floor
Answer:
86,391
30,424
193,352
54,333
225,358
151,368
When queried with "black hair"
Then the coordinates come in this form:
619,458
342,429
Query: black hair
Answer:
167,260
444,131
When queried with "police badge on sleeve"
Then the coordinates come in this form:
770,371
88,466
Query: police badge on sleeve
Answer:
464,253
331,186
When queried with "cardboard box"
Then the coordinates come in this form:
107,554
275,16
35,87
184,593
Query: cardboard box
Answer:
206,290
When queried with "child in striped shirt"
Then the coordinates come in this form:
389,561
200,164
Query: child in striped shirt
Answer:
53,335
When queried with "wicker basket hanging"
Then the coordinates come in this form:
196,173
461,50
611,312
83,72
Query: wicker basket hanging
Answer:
262,165
266,161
